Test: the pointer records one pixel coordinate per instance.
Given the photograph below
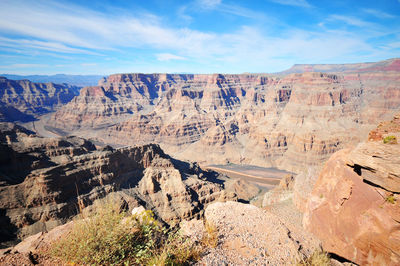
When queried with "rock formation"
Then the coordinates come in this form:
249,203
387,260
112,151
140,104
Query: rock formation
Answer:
291,122
46,181
355,205
248,235
23,100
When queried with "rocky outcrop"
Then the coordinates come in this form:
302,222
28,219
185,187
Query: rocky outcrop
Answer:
303,186
281,192
44,182
248,235
24,101
291,122
354,207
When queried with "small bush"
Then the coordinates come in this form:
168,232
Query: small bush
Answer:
177,250
318,258
390,140
210,238
112,237
391,199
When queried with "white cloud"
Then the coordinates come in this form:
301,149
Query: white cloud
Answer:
88,64
168,57
208,4
240,11
299,3
378,13
42,45
47,26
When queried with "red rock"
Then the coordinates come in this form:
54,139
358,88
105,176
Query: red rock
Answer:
291,122
353,210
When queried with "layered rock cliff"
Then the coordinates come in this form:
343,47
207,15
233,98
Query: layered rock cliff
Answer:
46,181
289,121
355,205
22,100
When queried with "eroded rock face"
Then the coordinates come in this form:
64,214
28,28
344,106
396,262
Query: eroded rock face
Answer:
292,122
23,100
46,181
355,204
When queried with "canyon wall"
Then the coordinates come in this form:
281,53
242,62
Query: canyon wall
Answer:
23,100
291,122
44,182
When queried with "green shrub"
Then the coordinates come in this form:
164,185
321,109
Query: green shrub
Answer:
390,140
391,199
109,236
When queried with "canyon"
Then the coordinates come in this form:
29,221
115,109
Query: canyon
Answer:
23,100
288,121
44,182
168,142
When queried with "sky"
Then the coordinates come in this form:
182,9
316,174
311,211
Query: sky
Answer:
198,36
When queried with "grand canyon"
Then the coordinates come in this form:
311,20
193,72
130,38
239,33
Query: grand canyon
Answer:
308,157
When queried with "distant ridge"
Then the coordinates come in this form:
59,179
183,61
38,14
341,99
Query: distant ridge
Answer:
75,80
386,65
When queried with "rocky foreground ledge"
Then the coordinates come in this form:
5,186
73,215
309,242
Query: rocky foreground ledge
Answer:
355,204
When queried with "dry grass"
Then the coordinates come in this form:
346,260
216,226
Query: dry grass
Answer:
210,238
111,237
318,258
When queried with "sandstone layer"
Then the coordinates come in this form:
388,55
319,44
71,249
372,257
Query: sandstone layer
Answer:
291,122
24,101
355,205
44,182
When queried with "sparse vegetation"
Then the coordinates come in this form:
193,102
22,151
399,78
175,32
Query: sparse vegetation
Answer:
391,199
112,237
210,238
318,258
390,140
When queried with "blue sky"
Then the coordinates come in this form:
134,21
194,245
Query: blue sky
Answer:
199,36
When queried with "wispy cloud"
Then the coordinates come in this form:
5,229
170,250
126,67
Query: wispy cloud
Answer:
182,14
297,3
42,45
208,4
88,64
353,21
168,57
240,11
13,66
66,30
378,13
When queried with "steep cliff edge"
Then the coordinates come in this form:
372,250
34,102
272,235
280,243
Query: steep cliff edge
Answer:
291,122
44,182
355,205
22,100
